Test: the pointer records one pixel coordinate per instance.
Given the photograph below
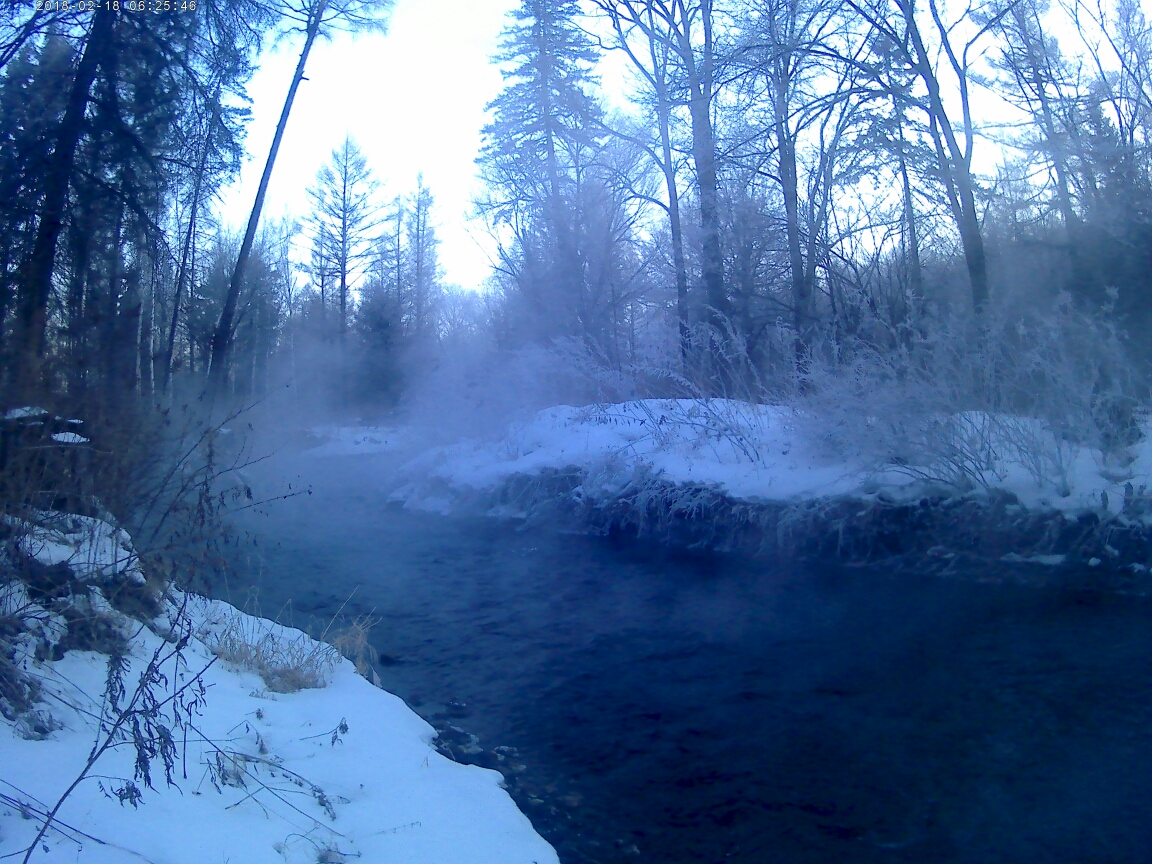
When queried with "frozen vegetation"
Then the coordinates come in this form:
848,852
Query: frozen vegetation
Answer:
771,453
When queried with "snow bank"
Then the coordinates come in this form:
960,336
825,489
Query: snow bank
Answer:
764,453
355,440
324,775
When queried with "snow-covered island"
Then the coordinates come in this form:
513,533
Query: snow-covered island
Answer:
713,468
196,733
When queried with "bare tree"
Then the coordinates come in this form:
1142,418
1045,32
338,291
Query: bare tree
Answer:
954,152
685,30
653,62
807,57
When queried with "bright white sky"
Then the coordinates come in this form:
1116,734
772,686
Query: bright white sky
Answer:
414,100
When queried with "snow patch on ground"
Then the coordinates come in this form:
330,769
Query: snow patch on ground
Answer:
355,440
342,773
69,438
760,453
24,413
90,547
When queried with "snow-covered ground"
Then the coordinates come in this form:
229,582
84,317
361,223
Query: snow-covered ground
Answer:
90,547
337,773
765,453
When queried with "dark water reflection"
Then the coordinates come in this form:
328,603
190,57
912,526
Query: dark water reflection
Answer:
674,707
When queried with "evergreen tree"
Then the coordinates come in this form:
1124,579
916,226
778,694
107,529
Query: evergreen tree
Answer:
32,101
542,117
343,217
535,153
424,272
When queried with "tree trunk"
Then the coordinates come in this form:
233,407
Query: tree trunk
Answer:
110,307
77,314
5,292
954,165
128,347
184,252
916,277
344,270
789,184
147,353
36,281
418,260
222,336
177,296
704,157
663,112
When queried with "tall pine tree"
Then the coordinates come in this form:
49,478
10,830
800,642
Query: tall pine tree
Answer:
536,146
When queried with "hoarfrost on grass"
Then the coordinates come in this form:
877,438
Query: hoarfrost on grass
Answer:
782,453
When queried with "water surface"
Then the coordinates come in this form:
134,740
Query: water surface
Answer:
647,704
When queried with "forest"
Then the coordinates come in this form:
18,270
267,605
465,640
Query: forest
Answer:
789,196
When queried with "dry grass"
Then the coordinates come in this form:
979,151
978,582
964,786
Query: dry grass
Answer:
351,640
286,660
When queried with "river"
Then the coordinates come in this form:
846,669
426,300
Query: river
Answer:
653,705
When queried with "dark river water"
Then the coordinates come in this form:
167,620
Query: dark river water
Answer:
652,705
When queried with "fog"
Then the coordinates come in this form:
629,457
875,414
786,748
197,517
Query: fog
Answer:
775,486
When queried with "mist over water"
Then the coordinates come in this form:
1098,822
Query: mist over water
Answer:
868,278
648,704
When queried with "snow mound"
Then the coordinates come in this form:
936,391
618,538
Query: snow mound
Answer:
343,773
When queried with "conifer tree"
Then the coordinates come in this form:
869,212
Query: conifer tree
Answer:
343,212
535,148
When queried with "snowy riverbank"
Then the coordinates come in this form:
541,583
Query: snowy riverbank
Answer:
651,463
340,772
769,453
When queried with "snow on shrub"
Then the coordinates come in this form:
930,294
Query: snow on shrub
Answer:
91,548
776,453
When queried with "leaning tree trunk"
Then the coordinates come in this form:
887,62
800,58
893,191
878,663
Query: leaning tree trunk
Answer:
36,281
222,336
